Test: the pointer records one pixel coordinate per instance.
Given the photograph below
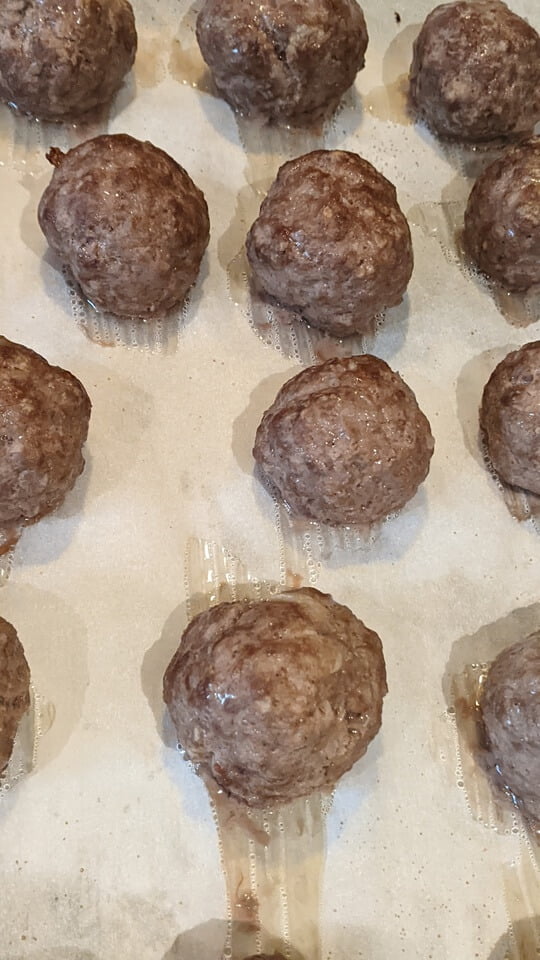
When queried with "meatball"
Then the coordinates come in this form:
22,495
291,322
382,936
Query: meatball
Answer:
510,709
510,417
277,698
331,242
129,222
502,219
290,60
475,73
345,442
44,412
58,61
14,689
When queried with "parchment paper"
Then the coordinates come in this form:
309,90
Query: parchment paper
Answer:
108,848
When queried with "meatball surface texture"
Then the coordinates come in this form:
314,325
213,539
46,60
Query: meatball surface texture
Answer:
510,417
14,689
277,698
510,708
59,61
128,221
475,73
345,442
502,219
283,60
44,412
331,242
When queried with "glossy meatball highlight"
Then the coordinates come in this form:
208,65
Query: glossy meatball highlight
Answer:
510,708
290,60
128,221
59,61
345,442
502,219
44,412
510,417
475,73
276,698
331,242
14,689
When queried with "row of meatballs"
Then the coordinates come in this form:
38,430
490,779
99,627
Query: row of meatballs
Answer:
475,72
303,680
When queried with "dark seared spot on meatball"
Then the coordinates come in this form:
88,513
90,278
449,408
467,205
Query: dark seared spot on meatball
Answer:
510,417
287,61
14,689
129,222
299,676
331,242
510,708
345,442
502,219
59,61
475,73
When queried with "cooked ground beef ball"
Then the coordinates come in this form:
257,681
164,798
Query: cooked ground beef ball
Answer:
502,220
14,689
44,412
475,73
129,222
510,706
331,242
59,61
345,442
284,60
276,698
510,417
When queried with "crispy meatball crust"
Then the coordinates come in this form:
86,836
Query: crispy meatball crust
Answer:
510,707
277,698
502,219
129,222
345,442
44,412
475,73
510,417
14,689
331,242
58,61
283,60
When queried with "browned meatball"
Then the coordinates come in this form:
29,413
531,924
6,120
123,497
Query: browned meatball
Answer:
44,412
510,705
475,73
331,242
129,222
345,442
58,61
277,698
283,59
502,220
510,417
14,689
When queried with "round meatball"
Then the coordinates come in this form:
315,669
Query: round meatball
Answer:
58,61
276,698
129,222
44,412
14,689
345,442
290,60
331,242
502,219
510,417
475,73
510,708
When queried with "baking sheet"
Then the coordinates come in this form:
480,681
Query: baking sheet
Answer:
109,846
